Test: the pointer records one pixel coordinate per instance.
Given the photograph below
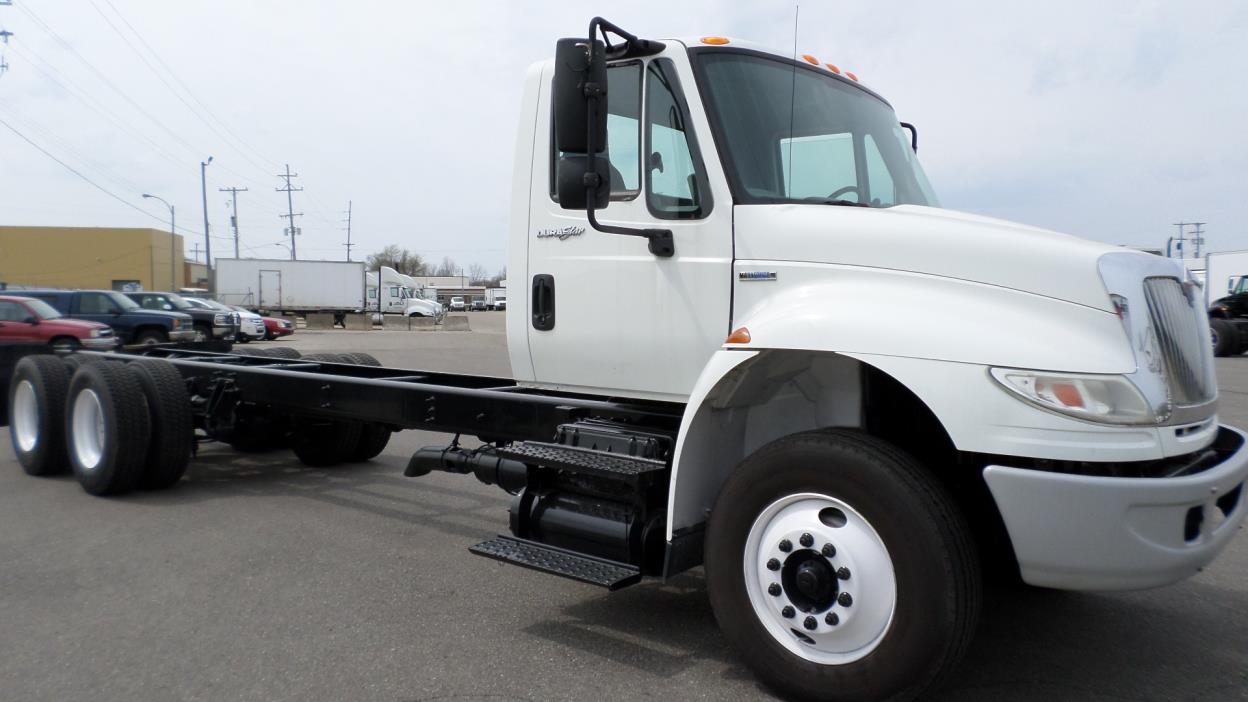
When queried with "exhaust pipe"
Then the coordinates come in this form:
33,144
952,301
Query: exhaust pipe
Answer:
483,463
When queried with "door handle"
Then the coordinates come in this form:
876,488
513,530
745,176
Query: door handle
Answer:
543,302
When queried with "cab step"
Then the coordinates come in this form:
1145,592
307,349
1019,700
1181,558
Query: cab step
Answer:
558,561
580,460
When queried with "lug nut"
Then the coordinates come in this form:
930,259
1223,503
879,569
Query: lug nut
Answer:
787,612
829,551
807,540
810,623
843,573
786,545
774,589
773,564
844,599
832,619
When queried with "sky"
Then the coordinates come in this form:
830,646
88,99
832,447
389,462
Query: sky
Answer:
1110,120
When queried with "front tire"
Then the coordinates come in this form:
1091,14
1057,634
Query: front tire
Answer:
1223,337
151,337
840,568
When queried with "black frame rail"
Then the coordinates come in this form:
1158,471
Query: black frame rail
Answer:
493,409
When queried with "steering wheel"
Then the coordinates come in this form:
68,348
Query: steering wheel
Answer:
847,189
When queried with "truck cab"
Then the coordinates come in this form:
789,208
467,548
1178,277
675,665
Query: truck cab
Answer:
713,224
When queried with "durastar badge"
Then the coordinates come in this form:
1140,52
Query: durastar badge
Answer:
745,276
560,233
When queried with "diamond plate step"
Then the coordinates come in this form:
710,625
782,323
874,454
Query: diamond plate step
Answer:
579,460
558,561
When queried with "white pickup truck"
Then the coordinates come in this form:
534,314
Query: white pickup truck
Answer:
711,240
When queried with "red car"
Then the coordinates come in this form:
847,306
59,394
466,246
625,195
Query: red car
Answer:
28,319
275,327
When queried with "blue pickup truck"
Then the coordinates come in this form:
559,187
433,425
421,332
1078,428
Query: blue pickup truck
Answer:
130,322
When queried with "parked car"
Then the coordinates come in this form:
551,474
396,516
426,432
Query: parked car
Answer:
277,327
252,324
457,304
29,319
130,323
478,306
209,324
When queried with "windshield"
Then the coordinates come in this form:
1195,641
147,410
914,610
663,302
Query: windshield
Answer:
196,302
42,309
122,301
177,302
807,136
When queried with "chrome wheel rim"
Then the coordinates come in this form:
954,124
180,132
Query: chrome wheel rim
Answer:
89,431
820,578
25,416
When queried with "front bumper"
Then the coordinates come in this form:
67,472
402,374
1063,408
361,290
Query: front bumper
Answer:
224,331
1080,532
101,343
183,335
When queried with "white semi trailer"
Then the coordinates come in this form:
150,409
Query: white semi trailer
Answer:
712,240
284,286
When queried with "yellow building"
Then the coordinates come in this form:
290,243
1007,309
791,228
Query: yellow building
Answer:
91,257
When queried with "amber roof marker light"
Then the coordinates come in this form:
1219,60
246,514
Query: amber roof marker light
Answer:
715,41
740,336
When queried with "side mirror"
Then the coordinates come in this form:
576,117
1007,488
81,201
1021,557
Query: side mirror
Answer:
577,79
570,179
32,321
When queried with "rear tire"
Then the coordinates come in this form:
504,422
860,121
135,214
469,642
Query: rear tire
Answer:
151,336
283,352
361,359
107,428
324,443
173,428
889,522
37,392
1223,333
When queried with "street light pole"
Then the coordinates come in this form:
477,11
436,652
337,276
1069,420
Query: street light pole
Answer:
173,243
203,184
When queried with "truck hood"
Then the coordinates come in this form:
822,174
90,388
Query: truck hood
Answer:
929,241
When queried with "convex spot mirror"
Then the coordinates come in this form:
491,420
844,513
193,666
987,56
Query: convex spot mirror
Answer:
570,179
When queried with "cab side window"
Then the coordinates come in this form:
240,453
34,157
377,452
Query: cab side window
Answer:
12,312
675,182
95,303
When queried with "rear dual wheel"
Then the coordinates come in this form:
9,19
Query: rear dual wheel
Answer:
37,392
841,569
322,443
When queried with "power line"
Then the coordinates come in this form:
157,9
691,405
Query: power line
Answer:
78,173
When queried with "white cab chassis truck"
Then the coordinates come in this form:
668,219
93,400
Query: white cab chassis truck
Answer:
746,401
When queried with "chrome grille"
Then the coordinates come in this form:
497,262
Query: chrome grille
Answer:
1184,349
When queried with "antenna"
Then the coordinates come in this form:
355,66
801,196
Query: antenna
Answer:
792,103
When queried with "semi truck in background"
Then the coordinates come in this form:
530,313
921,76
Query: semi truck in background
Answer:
280,286
1226,295
401,294
844,480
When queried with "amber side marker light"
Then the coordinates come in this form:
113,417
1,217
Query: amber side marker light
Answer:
852,76
740,336
810,59
833,68
715,41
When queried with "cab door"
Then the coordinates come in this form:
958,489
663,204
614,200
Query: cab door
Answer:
606,315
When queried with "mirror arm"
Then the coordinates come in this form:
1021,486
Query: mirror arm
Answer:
661,243
914,135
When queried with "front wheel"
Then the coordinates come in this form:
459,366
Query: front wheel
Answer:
840,569
151,337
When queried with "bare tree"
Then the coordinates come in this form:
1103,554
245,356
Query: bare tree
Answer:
447,267
399,259
477,274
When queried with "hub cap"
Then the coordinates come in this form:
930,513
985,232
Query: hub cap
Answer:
89,432
832,599
25,417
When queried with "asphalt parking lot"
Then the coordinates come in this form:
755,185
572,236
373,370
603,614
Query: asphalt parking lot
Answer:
258,578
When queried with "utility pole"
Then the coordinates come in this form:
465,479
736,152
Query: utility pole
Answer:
348,220
234,217
1198,240
4,39
197,253
290,208
203,186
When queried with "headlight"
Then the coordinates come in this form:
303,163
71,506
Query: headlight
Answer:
177,324
220,319
1107,399
95,333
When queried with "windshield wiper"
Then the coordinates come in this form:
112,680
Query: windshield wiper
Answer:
844,203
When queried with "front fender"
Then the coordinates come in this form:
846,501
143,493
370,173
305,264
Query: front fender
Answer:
852,309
